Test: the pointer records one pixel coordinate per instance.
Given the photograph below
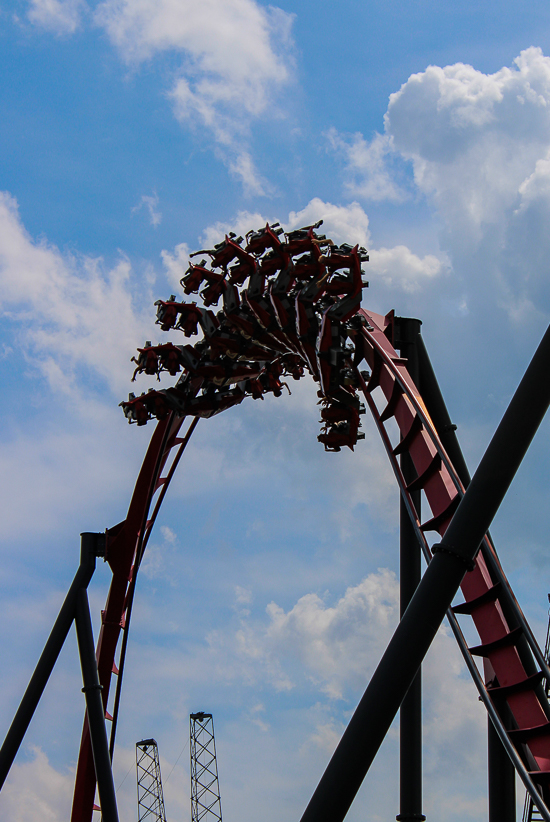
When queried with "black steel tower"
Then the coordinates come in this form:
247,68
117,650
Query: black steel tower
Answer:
149,784
205,789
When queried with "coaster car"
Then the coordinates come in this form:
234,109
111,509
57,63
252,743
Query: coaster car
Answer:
167,312
237,346
238,273
274,261
214,402
214,290
345,256
304,239
256,301
225,252
266,382
259,241
190,318
135,410
146,361
156,403
298,313
293,366
339,434
334,354
194,277
310,265
171,358
270,381
153,359
281,300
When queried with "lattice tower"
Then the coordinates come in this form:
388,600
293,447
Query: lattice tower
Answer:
149,784
205,789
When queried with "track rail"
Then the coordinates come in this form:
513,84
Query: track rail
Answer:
515,671
126,543
300,314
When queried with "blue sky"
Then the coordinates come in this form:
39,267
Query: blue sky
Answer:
132,133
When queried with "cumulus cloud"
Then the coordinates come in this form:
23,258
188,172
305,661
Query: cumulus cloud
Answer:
331,649
36,790
399,267
236,56
473,138
72,313
57,16
348,223
337,644
478,148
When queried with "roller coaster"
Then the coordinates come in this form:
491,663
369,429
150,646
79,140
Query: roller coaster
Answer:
291,306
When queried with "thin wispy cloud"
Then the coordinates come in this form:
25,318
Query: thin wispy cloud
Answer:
150,202
235,57
61,17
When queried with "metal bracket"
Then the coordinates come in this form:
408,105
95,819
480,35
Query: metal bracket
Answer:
445,548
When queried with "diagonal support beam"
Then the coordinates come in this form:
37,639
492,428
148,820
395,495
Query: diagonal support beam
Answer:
418,627
94,707
91,546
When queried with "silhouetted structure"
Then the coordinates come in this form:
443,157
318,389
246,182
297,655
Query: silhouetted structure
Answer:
205,789
149,784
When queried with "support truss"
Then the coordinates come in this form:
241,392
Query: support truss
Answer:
205,789
149,784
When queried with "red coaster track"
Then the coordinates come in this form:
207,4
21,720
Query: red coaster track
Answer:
301,313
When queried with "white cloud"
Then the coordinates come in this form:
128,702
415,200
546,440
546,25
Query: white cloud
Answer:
315,647
478,146
71,312
474,138
36,790
337,645
236,56
243,169
150,201
537,185
320,649
399,267
347,223
243,595
58,16
176,264
368,166
243,222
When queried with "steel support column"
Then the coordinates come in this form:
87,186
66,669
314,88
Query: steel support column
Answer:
416,631
502,779
407,331
94,708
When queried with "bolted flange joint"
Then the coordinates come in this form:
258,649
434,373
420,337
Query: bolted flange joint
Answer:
445,548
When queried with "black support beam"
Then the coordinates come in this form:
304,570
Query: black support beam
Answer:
407,332
418,627
48,658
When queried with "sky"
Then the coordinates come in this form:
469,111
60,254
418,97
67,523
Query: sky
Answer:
134,132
